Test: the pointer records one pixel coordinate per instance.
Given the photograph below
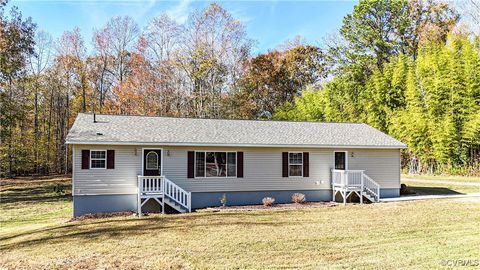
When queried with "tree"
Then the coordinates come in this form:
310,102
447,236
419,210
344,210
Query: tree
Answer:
214,50
39,61
16,44
73,54
113,45
431,103
276,77
379,29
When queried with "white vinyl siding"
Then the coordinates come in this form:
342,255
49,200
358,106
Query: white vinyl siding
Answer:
262,170
121,180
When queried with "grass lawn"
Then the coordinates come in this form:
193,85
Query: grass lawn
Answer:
443,185
36,233
453,178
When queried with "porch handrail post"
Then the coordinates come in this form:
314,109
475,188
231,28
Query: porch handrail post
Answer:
139,199
361,179
162,183
346,178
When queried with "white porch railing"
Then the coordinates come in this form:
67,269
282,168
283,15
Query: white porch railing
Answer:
150,184
159,187
371,187
347,178
348,181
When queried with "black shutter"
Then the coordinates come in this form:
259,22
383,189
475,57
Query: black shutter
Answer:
191,164
110,159
85,159
306,164
285,164
240,164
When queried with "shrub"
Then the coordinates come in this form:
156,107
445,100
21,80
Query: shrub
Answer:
223,200
268,201
58,189
298,198
404,190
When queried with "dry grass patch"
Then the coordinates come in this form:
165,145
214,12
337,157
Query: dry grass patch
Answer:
455,178
387,235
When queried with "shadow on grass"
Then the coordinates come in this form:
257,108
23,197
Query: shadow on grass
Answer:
43,193
91,229
432,191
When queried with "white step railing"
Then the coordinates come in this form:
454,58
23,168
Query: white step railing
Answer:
371,187
161,186
178,194
355,180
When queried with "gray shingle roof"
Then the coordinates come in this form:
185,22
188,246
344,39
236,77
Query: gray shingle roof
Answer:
119,129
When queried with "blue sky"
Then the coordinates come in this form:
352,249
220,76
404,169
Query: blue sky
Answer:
270,23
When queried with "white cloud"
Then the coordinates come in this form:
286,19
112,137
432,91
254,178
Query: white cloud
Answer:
180,11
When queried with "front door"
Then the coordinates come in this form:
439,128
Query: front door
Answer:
340,160
152,162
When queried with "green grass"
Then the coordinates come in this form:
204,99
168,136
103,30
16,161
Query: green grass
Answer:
455,178
443,185
439,189
36,233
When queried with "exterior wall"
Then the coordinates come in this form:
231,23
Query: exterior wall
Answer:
117,188
121,180
88,204
262,170
85,204
208,199
383,166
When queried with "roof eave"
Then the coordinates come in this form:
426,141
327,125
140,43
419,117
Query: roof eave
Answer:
73,142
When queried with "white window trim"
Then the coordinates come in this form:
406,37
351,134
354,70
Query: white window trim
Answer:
346,159
294,176
146,165
98,150
205,165
161,158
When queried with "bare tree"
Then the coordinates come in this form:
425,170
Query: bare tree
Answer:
113,44
161,41
38,62
72,48
215,49
470,9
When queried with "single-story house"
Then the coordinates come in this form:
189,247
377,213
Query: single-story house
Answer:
120,162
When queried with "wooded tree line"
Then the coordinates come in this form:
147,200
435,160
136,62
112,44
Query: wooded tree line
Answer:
411,70
405,67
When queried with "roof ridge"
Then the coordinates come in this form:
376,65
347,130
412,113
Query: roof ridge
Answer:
227,119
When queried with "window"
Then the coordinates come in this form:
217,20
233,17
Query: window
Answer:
295,164
215,164
152,161
200,164
98,159
340,160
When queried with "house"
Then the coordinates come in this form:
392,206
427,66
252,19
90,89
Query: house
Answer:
124,163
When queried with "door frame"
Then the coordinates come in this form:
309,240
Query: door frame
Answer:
346,159
143,157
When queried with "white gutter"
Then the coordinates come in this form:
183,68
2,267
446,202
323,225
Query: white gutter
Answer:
236,144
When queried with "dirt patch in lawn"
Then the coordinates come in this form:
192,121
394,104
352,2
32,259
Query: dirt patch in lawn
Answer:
261,207
102,215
